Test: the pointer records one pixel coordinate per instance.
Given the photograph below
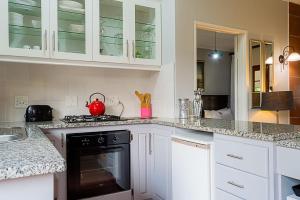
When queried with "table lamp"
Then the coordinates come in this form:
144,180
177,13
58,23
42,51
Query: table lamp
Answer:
277,101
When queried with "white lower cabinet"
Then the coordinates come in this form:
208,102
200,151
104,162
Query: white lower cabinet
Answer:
221,195
161,163
191,170
151,159
244,168
58,138
241,184
140,165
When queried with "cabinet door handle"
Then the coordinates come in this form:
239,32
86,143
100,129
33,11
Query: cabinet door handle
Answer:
45,41
53,41
127,48
235,184
234,156
62,140
133,49
150,143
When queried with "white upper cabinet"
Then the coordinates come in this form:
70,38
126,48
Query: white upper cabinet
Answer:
127,31
107,31
146,35
71,29
111,31
24,28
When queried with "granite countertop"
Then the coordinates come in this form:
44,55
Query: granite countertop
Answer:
291,143
252,130
35,155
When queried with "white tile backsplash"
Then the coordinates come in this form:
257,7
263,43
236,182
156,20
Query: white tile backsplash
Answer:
49,84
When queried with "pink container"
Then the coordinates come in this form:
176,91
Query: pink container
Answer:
146,112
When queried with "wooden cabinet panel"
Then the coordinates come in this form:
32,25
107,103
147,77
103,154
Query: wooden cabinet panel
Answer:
294,25
294,67
294,9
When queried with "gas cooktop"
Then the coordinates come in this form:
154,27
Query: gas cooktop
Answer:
89,118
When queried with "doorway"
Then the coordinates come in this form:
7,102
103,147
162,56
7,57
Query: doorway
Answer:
221,68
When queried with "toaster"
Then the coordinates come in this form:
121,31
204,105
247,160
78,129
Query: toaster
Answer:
38,113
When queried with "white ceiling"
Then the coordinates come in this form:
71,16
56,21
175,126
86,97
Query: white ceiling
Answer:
206,40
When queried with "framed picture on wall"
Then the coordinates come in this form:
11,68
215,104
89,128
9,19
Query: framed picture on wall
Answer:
200,74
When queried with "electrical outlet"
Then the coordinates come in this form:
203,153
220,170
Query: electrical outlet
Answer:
112,101
71,100
21,101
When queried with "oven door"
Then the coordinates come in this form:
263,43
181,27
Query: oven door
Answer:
98,171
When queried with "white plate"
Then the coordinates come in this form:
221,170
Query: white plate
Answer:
77,28
27,2
77,10
36,23
16,18
71,4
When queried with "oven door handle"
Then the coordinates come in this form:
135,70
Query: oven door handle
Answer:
96,150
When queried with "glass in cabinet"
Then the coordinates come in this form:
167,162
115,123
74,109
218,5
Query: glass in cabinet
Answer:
111,31
147,33
71,29
25,27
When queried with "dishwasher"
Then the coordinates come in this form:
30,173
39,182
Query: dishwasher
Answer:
191,165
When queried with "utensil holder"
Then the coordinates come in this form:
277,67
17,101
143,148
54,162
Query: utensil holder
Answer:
146,112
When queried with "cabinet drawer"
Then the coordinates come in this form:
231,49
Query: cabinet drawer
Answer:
287,164
221,195
241,184
248,158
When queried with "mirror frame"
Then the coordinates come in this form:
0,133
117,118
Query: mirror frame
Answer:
256,96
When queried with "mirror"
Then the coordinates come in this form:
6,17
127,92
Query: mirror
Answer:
261,70
255,69
269,69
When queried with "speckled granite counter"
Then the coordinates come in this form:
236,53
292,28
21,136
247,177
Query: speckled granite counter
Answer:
292,143
34,155
252,130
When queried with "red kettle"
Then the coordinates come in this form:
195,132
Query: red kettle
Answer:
96,107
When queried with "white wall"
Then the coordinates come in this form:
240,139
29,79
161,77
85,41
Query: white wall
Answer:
48,84
217,73
263,19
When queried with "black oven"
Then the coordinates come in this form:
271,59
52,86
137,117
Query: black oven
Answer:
98,163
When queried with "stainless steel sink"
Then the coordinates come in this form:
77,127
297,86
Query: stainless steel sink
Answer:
12,134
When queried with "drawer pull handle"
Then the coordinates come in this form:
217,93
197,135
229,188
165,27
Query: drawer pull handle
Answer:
236,185
234,156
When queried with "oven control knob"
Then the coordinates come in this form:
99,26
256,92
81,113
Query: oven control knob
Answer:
100,140
115,139
85,142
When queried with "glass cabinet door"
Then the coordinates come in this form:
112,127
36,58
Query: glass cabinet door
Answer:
147,32
25,32
72,29
111,31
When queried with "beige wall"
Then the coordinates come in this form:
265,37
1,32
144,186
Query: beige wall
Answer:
263,19
48,84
